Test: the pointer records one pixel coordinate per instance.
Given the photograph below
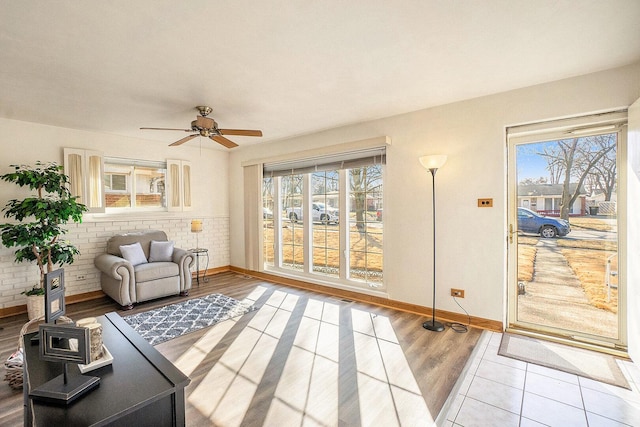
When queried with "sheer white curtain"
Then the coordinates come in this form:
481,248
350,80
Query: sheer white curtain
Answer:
95,181
186,181
75,176
253,217
175,185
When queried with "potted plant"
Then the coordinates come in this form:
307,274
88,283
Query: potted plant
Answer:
39,221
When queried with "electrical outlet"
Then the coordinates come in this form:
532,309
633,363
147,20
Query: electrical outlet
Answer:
81,277
485,203
458,293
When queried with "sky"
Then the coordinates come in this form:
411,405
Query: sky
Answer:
529,164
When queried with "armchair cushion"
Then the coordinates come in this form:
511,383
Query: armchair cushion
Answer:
155,270
133,253
161,251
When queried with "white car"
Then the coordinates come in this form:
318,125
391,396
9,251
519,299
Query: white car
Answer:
319,212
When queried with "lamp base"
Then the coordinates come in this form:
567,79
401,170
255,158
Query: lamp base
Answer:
434,326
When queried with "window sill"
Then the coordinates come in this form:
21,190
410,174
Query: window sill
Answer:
352,286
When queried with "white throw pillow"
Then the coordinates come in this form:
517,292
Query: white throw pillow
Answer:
133,253
161,251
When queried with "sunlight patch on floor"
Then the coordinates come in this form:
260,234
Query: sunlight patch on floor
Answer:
195,354
309,382
308,390
242,366
385,379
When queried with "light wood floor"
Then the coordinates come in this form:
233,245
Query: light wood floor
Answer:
301,357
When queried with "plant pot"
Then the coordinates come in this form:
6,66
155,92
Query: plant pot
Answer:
35,306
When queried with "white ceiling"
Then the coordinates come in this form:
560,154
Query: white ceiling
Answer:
289,67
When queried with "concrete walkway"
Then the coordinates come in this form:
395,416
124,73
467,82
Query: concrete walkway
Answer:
555,297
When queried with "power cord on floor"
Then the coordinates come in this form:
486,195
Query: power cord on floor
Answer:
460,327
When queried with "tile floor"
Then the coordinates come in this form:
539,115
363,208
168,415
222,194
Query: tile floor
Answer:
500,391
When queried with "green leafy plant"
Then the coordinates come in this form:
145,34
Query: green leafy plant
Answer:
40,218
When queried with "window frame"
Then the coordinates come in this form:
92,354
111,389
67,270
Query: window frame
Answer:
344,278
134,166
110,185
80,181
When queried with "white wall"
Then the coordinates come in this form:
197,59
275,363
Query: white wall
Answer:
25,143
471,241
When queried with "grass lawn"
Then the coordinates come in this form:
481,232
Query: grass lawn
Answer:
365,249
526,257
589,223
588,260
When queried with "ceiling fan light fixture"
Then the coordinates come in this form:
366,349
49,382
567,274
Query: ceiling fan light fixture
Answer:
207,127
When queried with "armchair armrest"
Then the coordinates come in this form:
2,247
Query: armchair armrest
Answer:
185,260
118,278
111,266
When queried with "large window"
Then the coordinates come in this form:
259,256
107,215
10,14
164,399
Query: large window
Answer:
110,184
325,220
365,226
322,217
131,184
292,241
268,221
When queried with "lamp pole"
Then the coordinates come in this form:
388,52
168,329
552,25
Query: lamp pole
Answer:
433,163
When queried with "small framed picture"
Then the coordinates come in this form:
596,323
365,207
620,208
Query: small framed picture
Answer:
54,305
62,343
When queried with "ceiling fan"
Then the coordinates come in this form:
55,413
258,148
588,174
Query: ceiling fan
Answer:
207,127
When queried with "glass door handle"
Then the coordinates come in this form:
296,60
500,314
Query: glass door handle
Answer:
511,232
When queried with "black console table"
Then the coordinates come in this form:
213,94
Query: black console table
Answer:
140,388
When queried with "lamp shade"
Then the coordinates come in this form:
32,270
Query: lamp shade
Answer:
435,161
196,225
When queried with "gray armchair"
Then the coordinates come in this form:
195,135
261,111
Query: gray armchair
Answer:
155,271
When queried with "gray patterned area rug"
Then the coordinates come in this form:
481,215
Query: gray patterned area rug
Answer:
171,321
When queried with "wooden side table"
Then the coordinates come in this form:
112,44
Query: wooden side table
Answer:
201,252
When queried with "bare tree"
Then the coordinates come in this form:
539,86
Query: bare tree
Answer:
555,166
576,158
292,190
364,181
603,175
267,192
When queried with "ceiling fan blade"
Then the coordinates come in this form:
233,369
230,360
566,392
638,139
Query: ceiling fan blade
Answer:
184,130
242,132
224,141
183,140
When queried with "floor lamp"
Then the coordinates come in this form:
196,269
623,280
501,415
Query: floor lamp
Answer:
433,163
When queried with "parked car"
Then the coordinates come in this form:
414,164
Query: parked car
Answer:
319,212
267,213
532,222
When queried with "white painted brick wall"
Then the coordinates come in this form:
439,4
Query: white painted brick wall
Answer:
91,239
